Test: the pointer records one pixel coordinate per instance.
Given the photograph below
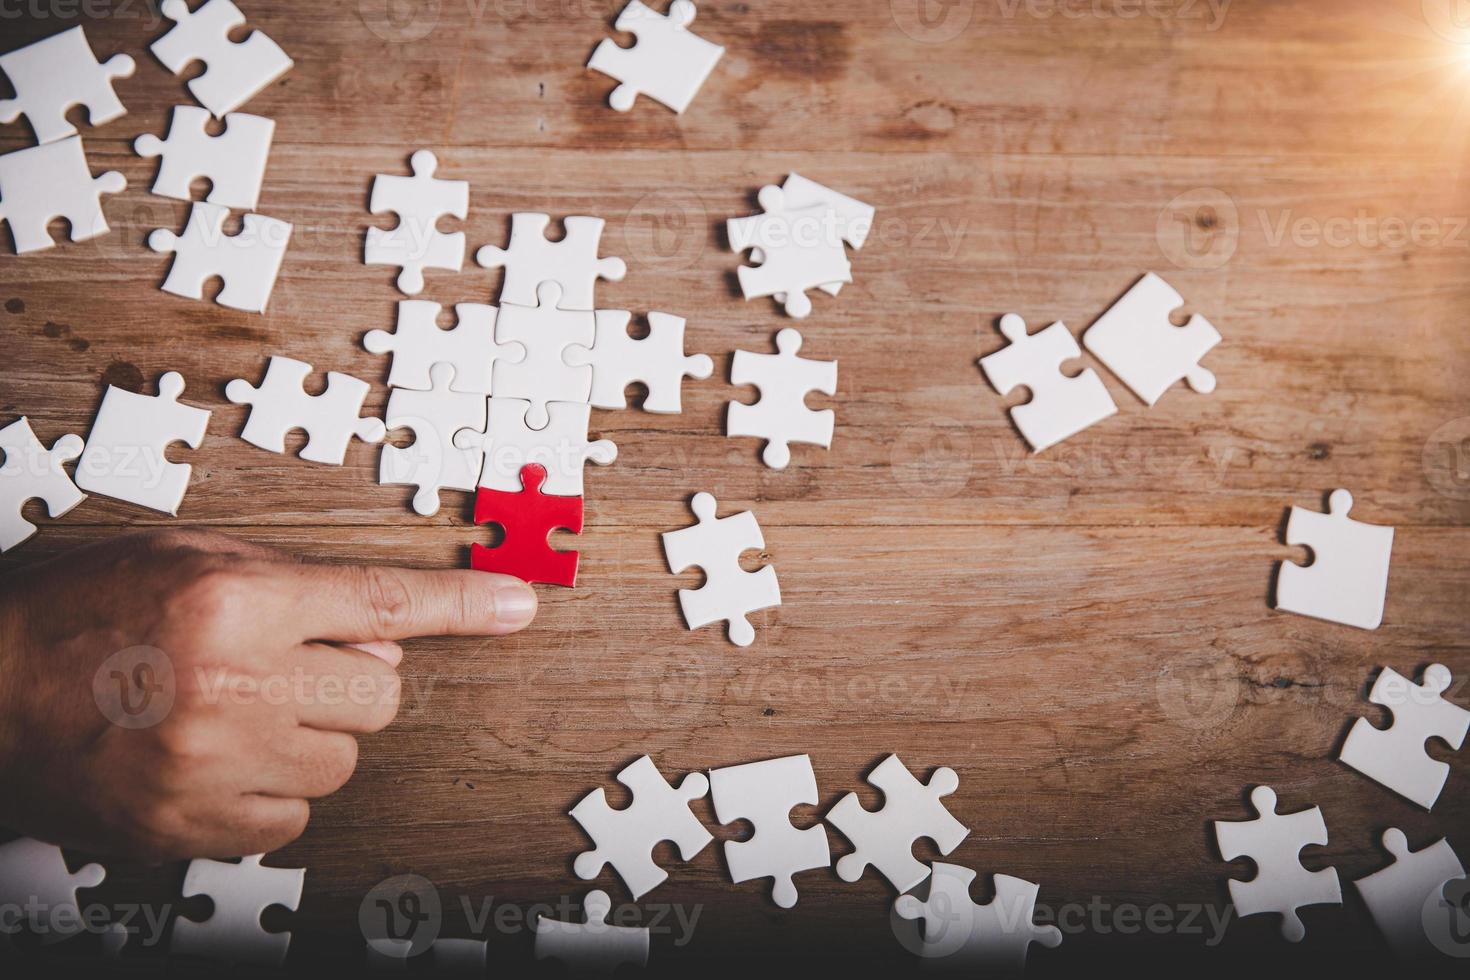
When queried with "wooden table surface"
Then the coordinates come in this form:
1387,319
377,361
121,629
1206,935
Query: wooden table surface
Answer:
1085,635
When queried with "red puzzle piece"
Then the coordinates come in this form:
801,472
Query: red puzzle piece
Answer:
528,517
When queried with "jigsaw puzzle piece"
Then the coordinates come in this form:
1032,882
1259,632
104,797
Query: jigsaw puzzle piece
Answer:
416,243
234,161
1138,342
40,183
657,361
30,471
854,219
1347,580
1060,406
419,343
56,73
281,404
248,262
1400,896
125,456
781,416
240,892
729,591
433,462
531,259
977,940
543,332
593,946
234,72
764,793
507,443
885,838
799,249
1395,757
38,889
668,63
528,518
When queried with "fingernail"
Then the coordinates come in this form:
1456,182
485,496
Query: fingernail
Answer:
515,604
385,650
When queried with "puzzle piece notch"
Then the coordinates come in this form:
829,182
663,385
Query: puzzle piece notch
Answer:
434,461
1395,756
1140,344
50,181
543,332
1059,406
1347,580
885,838
729,591
594,945
657,361
798,248
30,471
56,73
234,161
980,940
1274,842
416,243
125,456
531,259
528,518
506,442
764,793
247,262
34,879
281,404
234,72
781,416
418,343
625,838
1400,895
241,893
669,63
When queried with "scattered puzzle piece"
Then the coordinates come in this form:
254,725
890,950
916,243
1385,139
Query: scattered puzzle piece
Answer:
234,161
593,946
668,63
1060,406
37,888
528,518
433,462
781,415
1395,756
1274,842
885,838
57,73
798,249
532,259
248,262
241,892
625,838
416,243
281,404
658,361
977,940
1399,895
765,793
40,183
729,591
125,453
507,443
418,344
1138,342
234,72
543,332
854,219
1348,577
33,472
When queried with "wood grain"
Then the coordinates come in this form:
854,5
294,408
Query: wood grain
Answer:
1084,635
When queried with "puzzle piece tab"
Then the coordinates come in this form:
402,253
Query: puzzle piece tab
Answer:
885,838
281,404
234,72
658,361
625,838
1347,580
1274,842
543,332
1400,896
416,243
990,940
1395,756
593,946
125,453
433,462
507,443
32,472
669,63
765,793
1138,342
234,161
418,344
532,259
40,183
1060,406
729,591
57,73
248,262
37,889
797,249
781,416
241,892
528,517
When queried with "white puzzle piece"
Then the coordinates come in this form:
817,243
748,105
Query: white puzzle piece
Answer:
433,462
507,443
416,243
594,946
854,218
781,416
990,940
32,472
418,343
543,332
1059,406
40,183
234,72
281,404
234,161
729,591
1399,895
668,63
657,361
764,793
532,259
241,892
1274,842
1138,342
1347,580
625,838
885,838
125,453
798,248
37,888
247,262
1395,756
56,73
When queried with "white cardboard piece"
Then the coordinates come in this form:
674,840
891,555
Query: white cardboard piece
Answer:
543,333
1059,406
729,591
40,891
885,838
281,404
241,892
40,183
963,937
247,262
234,72
416,243
764,793
125,453
593,946
1395,756
506,442
657,361
1137,341
796,249
433,462
56,73
1400,896
1347,580
418,343
781,416
532,259
854,219
30,471
668,63
234,161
